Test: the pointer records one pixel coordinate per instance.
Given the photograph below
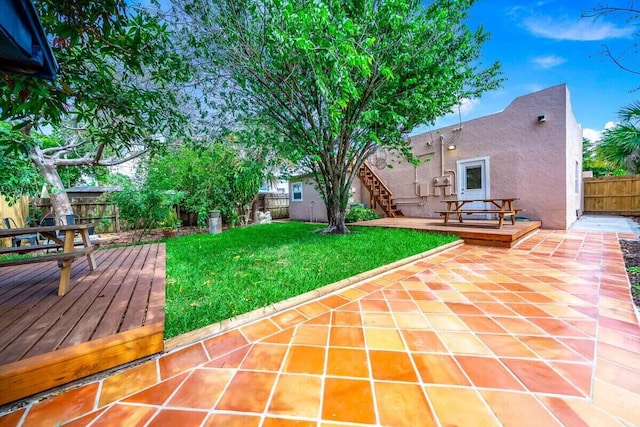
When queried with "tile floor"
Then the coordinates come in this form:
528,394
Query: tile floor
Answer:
542,334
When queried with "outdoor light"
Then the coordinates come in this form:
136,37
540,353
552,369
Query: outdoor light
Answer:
542,118
451,147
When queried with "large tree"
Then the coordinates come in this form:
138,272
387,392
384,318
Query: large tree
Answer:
627,58
111,99
339,78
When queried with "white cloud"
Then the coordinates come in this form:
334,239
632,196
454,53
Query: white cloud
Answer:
468,105
548,61
596,135
592,134
572,29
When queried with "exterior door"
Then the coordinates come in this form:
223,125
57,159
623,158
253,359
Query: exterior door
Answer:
473,181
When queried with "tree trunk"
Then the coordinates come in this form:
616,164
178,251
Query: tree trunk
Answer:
336,209
60,202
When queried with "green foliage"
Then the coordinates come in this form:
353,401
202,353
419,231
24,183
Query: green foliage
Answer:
620,145
592,160
115,92
634,269
211,177
358,213
171,220
211,278
337,78
143,206
115,67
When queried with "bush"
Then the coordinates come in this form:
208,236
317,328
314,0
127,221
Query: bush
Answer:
358,213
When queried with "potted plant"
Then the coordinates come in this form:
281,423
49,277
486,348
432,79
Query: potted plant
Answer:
170,223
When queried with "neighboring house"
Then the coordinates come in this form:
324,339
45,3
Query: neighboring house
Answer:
280,186
532,150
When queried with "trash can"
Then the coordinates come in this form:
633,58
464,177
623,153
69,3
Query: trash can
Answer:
215,222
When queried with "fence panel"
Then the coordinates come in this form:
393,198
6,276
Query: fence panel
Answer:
278,204
18,212
102,214
612,195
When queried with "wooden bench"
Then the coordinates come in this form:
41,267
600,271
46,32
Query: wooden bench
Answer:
67,243
500,207
27,249
501,214
58,256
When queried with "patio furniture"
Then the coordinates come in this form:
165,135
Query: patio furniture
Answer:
16,241
66,257
500,207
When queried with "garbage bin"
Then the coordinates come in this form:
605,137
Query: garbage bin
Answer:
215,222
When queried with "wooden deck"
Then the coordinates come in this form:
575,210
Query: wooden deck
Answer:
109,317
477,232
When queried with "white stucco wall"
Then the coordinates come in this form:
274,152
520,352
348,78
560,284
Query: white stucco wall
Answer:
528,159
312,207
575,195
532,160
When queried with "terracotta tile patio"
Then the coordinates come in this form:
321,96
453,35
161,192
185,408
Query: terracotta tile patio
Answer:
542,334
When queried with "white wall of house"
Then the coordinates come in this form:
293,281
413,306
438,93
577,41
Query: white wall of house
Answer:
311,207
534,160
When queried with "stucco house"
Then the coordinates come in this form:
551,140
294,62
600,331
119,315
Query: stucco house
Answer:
532,150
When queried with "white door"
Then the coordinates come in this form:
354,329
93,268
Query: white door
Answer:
473,181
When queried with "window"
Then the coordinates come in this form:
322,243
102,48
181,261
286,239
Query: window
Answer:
265,187
296,192
474,178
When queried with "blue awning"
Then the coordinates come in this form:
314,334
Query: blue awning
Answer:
23,44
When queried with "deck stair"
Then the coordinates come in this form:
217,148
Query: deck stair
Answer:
380,195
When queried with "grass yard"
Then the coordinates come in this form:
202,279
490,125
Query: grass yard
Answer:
211,278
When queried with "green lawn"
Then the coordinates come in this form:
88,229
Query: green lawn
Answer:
215,277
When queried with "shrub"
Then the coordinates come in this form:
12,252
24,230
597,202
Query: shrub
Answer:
358,213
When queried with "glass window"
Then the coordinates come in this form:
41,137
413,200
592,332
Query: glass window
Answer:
296,192
474,178
265,187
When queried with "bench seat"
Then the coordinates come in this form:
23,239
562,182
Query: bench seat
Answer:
30,248
478,211
58,256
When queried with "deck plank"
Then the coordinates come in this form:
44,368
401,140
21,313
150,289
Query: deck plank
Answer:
112,318
26,316
136,311
41,334
155,312
479,232
94,308
45,318
89,288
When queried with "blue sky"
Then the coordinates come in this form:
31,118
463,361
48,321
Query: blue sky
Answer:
543,43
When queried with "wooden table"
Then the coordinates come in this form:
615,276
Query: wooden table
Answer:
71,249
500,207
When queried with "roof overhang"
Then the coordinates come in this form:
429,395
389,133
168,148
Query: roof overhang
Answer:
23,44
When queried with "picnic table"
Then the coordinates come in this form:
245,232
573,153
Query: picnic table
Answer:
63,237
500,207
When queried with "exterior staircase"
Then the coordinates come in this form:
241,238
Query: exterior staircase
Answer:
380,195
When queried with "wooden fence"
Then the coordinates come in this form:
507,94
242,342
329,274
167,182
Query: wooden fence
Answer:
102,214
105,216
612,195
18,212
277,204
